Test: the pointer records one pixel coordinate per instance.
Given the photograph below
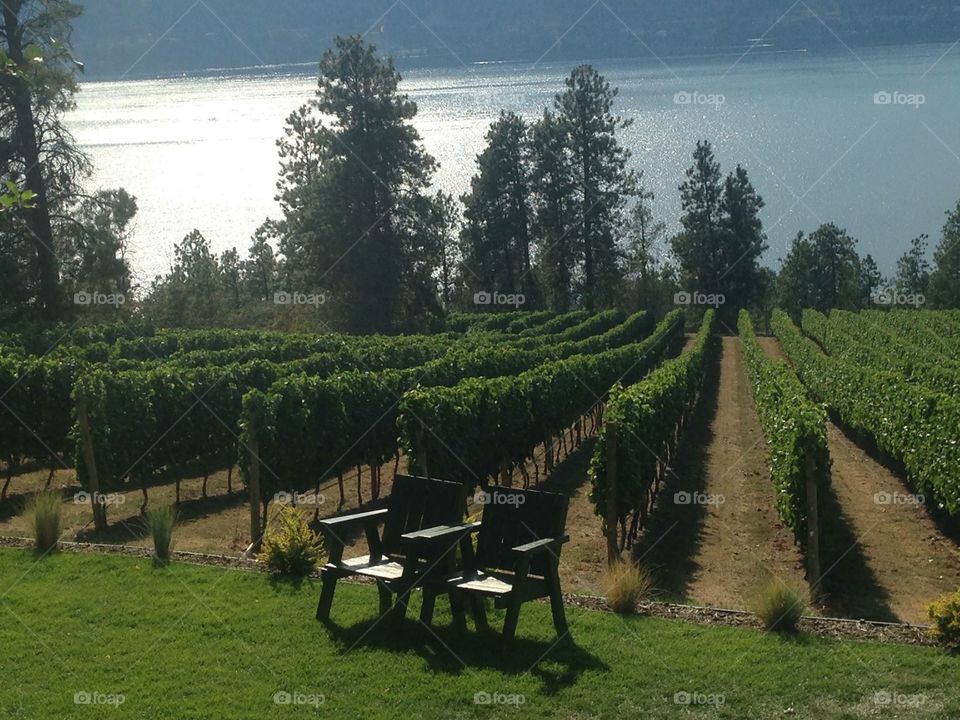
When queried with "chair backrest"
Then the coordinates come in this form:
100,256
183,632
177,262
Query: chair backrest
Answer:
513,517
418,503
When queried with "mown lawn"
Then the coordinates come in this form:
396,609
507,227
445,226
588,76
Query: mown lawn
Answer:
193,642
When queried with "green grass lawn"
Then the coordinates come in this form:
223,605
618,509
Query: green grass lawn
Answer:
193,642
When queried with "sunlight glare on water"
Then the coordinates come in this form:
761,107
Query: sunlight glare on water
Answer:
200,152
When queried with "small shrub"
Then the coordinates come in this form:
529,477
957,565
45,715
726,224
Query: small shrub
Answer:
161,523
290,547
945,614
780,606
626,584
46,521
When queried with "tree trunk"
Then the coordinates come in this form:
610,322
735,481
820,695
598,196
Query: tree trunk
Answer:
38,216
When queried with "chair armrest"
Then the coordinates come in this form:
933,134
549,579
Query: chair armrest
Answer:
449,533
353,519
541,546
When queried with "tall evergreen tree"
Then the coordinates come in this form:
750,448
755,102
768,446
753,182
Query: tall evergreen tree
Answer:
353,174
743,243
699,246
823,271
496,233
37,153
945,279
555,208
602,182
913,268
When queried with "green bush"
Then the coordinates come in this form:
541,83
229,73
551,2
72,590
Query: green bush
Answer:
779,606
161,523
290,547
626,584
46,521
945,614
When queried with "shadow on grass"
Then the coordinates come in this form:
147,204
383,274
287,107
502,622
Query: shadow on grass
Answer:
674,532
451,650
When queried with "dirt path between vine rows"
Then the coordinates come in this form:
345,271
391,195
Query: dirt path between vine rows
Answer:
884,557
707,551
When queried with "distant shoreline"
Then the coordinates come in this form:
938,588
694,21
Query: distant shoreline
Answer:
748,53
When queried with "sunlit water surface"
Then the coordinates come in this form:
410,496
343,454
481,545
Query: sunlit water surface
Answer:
200,152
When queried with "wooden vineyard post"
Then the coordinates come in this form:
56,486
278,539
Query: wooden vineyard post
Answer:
90,460
422,452
613,554
813,523
253,455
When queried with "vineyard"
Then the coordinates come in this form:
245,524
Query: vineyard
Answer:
626,414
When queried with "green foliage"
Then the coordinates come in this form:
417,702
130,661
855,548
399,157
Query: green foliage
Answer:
911,424
856,339
945,615
779,606
290,548
794,427
945,278
161,524
824,271
465,431
647,416
722,239
44,513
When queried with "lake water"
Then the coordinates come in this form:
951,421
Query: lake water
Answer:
199,152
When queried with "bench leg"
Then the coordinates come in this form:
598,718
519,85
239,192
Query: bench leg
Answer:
513,616
456,608
556,600
327,588
429,601
385,598
479,608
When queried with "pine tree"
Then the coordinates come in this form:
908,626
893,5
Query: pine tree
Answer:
699,246
496,233
554,212
945,279
602,181
353,176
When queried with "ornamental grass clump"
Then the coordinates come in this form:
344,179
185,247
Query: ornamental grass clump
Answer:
779,606
625,585
44,513
161,523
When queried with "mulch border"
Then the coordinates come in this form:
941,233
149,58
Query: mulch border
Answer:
825,627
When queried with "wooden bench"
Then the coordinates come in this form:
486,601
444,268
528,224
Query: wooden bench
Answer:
516,559
415,504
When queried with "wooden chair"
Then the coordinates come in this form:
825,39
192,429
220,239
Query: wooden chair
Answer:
414,504
517,557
